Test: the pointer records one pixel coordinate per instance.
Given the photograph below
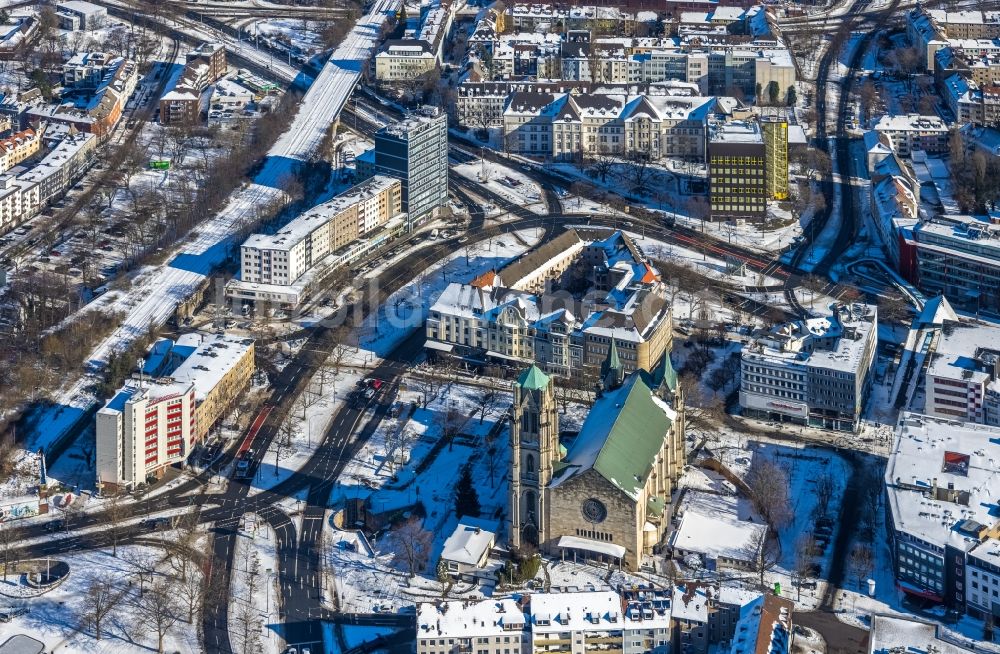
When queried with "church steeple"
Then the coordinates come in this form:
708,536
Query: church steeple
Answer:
612,370
534,446
665,377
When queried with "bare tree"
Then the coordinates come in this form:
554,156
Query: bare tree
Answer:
159,610
823,489
246,629
640,175
191,592
117,512
7,539
768,485
804,549
861,561
763,553
450,422
412,545
101,599
142,563
486,404
602,165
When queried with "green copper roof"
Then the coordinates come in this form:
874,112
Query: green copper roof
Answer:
533,379
654,506
613,361
621,436
666,373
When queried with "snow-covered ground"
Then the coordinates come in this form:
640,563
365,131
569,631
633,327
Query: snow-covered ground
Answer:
709,266
506,182
407,463
299,35
55,617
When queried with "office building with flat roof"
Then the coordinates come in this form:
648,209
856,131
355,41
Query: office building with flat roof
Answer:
737,174
415,151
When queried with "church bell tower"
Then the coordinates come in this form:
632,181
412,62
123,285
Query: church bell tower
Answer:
534,446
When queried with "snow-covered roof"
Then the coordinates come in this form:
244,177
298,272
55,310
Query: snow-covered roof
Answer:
489,617
735,131
587,611
911,123
892,633
590,545
837,342
941,480
57,158
472,538
938,311
217,355
718,536
957,355
621,437
295,231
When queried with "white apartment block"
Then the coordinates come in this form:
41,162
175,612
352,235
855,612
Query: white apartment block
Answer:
19,200
815,372
716,68
62,166
282,258
914,132
154,422
561,126
570,622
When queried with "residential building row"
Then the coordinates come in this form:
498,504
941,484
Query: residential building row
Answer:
17,147
532,311
973,30
481,104
155,421
719,67
689,618
23,194
718,63
183,104
815,372
277,267
631,18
